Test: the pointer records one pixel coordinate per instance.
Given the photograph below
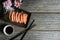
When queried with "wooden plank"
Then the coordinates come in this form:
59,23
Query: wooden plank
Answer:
42,35
46,21
37,35
41,5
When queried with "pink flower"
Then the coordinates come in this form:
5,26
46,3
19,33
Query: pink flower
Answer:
16,3
7,4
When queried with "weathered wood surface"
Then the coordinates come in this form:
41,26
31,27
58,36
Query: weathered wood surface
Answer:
41,5
42,35
47,27
46,21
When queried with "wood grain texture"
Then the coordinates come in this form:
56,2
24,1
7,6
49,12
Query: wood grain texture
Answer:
46,21
41,35
47,27
41,5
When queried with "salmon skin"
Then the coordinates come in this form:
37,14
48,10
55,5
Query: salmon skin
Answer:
18,17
